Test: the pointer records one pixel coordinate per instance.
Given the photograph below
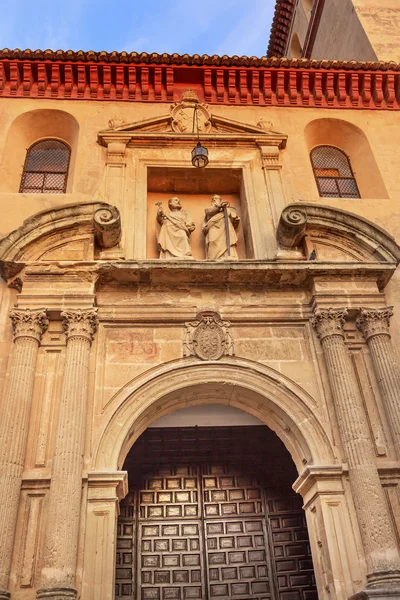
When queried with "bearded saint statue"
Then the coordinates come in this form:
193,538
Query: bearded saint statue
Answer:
176,227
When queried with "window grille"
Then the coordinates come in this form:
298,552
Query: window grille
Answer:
333,173
46,168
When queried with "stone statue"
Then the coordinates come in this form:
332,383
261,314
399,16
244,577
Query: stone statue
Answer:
220,226
176,227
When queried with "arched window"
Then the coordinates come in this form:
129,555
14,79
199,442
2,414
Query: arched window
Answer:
333,173
46,168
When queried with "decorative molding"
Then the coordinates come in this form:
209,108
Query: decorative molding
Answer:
80,323
329,322
215,79
208,337
29,323
374,321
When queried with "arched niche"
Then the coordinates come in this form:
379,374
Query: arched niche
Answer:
31,127
354,143
261,391
295,47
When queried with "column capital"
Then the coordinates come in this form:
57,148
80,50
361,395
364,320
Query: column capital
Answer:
80,323
329,321
374,321
31,323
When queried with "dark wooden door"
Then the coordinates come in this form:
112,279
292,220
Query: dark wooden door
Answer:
212,531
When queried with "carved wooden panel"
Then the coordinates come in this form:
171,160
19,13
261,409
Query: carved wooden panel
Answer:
170,550
291,547
237,556
124,575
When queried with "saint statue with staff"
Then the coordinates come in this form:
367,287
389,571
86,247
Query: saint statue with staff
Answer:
220,227
176,227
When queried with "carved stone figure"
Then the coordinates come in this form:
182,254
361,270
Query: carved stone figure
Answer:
219,227
208,337
176,227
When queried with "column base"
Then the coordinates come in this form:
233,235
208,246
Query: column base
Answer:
4,595
56,594
388,593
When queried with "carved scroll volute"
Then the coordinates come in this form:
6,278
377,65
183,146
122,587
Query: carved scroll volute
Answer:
208,337
107,226
292,227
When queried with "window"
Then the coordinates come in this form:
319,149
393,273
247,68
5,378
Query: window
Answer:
333,173
46,168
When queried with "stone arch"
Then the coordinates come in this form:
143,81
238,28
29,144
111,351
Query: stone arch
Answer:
30,127
354,143
257,389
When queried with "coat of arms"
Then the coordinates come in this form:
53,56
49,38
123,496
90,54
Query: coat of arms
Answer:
208,337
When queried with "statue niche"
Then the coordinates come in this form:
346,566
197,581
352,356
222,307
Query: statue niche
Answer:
220,227
175,229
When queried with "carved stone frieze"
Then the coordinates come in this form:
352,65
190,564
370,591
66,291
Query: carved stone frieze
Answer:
329,321
80,323
208,337
374,321
28,322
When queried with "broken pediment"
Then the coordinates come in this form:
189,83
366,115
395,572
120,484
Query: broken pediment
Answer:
335,235
183,121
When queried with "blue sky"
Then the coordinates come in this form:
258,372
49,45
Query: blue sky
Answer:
202,26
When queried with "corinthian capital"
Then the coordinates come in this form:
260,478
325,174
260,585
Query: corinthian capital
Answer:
80,323
28,322
374,321
329,321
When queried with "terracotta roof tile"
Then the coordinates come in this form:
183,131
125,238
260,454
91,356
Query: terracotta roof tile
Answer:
144,58
281,23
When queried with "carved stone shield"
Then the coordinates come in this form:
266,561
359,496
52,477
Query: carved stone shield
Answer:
208,340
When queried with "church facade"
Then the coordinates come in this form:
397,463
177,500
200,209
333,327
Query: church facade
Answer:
200,390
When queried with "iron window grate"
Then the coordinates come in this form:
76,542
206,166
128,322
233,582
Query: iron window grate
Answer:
333,173
46,168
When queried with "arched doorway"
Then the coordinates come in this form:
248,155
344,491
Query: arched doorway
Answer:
211,513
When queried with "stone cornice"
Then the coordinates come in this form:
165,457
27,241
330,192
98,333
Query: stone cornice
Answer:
215,79
171,273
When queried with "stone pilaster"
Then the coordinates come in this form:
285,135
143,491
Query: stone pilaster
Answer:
381,553
374,325
28,328
63,515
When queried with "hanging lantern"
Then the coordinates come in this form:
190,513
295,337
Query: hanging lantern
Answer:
199,153
199,156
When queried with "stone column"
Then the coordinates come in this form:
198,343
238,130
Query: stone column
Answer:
28,328
381,552
374,325
64,508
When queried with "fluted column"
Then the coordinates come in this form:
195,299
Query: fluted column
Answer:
63,515
374,325
381,553
28,328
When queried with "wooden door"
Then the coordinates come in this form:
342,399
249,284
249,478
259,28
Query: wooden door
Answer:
212,531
